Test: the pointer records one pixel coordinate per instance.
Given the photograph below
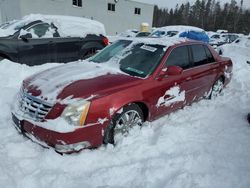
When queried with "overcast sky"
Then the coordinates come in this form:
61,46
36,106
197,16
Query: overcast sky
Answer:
172,3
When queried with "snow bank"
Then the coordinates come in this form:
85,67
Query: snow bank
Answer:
204,145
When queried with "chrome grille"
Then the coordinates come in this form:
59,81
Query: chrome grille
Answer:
34,108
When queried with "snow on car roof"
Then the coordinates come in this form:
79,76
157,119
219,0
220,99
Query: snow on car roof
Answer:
179,28
67,25
164,41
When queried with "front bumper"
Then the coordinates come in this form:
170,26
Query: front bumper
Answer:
81,138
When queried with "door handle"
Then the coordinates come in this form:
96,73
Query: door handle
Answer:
189,78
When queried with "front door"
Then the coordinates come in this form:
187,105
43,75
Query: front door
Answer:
172,92
37,48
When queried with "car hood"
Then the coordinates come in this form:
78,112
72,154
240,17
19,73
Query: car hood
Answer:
76,80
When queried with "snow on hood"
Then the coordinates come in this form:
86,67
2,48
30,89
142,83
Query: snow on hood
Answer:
82,26
50,83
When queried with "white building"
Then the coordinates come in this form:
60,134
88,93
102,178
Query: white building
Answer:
116,15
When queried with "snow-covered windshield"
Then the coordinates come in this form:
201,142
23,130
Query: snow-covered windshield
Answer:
12,27
136,59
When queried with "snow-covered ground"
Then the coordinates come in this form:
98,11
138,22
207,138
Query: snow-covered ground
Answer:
203,145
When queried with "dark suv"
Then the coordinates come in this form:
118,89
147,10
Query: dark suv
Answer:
38,39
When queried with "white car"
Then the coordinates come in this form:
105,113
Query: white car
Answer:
220,39
176,31
241,45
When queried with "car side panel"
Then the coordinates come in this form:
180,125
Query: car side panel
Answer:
34,51
65,49
9,49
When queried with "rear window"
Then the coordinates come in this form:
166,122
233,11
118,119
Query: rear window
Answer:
199,55
179,57
210,57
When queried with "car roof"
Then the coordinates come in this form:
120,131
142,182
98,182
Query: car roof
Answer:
82,26
165,41
180,28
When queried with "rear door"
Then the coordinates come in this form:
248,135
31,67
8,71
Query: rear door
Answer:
204,71
67,48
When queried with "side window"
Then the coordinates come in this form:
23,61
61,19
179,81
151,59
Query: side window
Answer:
179,57
199,55
43,30
210,57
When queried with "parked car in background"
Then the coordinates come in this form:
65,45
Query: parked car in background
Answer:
241,45
123,35
38,39
220,39
127,83
176,31
142,34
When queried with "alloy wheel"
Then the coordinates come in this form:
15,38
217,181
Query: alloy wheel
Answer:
217,88
128,120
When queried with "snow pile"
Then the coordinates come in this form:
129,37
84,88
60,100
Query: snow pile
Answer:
82,26
204,145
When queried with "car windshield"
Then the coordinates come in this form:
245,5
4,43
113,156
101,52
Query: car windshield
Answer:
134,58
110,51
15,25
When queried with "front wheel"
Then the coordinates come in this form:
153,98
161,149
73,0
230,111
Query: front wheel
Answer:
121,124
217,88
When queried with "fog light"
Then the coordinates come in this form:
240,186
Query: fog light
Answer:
71,147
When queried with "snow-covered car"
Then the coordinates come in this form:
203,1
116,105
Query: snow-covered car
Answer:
240,45
123,35
176,31
37,39
220,39
127,83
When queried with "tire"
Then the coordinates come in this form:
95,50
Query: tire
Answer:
248,118
217,88
120,124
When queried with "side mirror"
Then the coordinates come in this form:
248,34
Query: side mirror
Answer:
26,37
174,70
170,71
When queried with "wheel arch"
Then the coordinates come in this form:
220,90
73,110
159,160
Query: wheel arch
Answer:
142,105
5,56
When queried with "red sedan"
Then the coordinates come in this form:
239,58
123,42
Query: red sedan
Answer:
85,104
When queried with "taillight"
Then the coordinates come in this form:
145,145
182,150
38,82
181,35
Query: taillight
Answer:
105,41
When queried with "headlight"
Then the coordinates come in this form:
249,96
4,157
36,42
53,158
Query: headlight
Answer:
76,113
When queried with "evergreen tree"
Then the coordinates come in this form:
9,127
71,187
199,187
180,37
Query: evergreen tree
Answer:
207,14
